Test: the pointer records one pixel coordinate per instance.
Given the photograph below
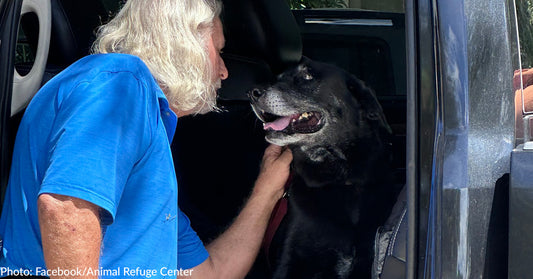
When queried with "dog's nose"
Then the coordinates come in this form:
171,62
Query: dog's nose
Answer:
255,93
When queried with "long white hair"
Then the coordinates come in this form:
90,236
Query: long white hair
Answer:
171,37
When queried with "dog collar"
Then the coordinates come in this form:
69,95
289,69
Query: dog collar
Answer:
279,212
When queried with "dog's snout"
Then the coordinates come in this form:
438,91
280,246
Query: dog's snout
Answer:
255,93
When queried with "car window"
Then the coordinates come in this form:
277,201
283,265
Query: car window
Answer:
112,6
25,49
524,10
366,38
384,6
523,77
24,53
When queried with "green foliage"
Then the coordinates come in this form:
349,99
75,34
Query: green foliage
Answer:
309,4
23,51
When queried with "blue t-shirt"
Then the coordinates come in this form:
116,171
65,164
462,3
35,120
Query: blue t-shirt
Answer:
100,131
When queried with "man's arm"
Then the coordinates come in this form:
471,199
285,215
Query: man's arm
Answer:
71,233
233,253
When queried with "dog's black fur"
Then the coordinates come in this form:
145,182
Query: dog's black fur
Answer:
341,191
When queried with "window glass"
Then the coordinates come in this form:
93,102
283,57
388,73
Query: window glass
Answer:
365,38
524,10
26,47
523,77
383,5
24,53
113,6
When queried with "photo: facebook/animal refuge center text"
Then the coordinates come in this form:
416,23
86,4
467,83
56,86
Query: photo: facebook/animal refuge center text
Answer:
119,272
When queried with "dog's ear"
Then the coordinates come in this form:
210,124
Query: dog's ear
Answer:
366,97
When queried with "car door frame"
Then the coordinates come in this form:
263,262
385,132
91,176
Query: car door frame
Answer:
460,134
10,11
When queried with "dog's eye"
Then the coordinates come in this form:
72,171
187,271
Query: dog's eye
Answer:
308,76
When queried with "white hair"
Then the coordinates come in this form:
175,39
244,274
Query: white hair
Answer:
171,37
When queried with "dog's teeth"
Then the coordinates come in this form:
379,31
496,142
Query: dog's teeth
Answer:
305,116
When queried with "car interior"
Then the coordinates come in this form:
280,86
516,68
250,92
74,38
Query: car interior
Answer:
217,155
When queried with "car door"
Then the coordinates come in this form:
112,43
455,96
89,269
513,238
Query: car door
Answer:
521,177
9,16
461,59
17,89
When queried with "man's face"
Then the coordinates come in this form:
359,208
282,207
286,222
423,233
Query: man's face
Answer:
215,46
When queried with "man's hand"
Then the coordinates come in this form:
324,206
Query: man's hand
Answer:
275,170
71,233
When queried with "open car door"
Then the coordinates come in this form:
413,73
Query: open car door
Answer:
16,90
9,18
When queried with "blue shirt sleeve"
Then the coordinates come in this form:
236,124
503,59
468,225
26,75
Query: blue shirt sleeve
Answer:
101,130
191,250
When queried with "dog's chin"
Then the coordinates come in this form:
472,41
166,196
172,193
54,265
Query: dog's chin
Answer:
282,139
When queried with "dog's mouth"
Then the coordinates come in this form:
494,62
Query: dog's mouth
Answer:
300,123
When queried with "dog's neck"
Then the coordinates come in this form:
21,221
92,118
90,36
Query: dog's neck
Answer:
333,165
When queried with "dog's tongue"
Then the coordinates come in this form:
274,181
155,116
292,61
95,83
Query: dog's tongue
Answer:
279,124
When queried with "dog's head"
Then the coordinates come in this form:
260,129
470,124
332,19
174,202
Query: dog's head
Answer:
317,104
327,117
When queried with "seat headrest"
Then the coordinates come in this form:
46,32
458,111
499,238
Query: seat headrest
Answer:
73,29
262,29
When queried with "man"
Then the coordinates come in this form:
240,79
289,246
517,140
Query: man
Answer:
92,190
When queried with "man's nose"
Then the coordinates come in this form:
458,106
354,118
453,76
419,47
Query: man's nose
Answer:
223,70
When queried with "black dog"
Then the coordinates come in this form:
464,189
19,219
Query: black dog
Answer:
340,191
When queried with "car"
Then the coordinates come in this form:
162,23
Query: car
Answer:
442,69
